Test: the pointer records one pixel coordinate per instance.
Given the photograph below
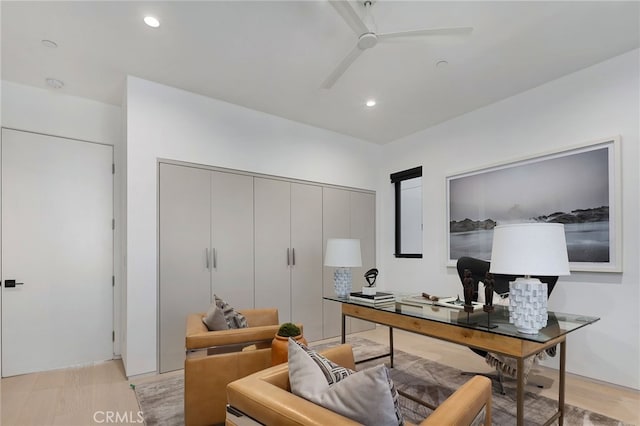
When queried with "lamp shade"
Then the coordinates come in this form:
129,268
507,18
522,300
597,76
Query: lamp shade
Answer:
343,253
529,249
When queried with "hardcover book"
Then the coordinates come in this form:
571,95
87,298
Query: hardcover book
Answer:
378,296
374,303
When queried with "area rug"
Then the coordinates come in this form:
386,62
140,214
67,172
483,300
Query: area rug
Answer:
162,401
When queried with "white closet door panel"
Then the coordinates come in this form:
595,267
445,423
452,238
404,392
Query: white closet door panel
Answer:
57,240
336,221
185,278
363,225
306,273
232,238
272,242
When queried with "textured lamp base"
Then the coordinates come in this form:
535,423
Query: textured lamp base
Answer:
528,305
342,281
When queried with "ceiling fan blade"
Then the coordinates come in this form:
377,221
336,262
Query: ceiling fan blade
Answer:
342,67
430,32
350,16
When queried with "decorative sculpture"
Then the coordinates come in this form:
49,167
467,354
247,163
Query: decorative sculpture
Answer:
371,276
488,292
467,283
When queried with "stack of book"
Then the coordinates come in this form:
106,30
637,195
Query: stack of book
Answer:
378,299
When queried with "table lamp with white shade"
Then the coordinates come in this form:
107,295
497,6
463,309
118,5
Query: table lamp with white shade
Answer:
529,249
343,253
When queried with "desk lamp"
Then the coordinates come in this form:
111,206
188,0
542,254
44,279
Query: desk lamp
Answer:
342,253
529,249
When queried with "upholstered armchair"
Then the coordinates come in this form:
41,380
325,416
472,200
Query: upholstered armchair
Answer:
266,397
216,358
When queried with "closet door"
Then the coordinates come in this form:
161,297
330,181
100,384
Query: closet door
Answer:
232,238
306,259
272,245
363,227
347,214
336,223
185,278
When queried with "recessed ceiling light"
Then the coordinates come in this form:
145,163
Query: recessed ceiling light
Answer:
151,21
371,103
54,83
49,43
442,64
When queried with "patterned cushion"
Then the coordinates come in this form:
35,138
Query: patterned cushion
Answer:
214,319
331,371
368,396
234,319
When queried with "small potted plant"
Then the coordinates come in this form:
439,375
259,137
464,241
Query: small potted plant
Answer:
280,343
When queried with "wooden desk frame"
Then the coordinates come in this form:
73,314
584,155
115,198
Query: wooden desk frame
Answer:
511,346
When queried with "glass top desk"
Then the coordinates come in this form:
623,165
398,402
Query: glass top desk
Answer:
488,332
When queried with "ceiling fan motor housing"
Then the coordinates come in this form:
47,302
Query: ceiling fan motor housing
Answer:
367,41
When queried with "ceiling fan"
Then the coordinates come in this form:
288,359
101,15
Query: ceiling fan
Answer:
366,29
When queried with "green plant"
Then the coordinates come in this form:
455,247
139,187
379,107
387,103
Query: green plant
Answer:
288,329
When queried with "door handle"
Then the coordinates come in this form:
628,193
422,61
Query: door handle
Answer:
288,261
206,254
293,256
11,283
215,258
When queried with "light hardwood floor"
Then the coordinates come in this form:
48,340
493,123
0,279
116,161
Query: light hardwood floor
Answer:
87,395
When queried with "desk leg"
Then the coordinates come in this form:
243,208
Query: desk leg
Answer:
344,319
520,392
561,385
391,345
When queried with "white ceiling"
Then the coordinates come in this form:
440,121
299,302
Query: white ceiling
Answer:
274,56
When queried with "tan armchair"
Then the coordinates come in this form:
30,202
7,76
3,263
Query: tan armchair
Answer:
266,398
216,358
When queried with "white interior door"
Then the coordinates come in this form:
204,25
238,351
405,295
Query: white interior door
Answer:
57,241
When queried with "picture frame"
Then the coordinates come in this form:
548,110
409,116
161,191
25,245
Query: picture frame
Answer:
579,187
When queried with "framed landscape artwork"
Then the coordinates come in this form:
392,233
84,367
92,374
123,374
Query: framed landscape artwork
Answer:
579,188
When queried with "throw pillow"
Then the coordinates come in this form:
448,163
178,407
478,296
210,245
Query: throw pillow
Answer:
367,396
332,372
214,319
234,319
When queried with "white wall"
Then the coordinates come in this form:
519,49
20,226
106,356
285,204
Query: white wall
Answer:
597,102
46,111
163,122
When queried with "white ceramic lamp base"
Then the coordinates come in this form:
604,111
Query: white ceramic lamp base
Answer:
528,305
342,281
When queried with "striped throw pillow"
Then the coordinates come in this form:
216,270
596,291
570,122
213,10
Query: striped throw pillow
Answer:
234,319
